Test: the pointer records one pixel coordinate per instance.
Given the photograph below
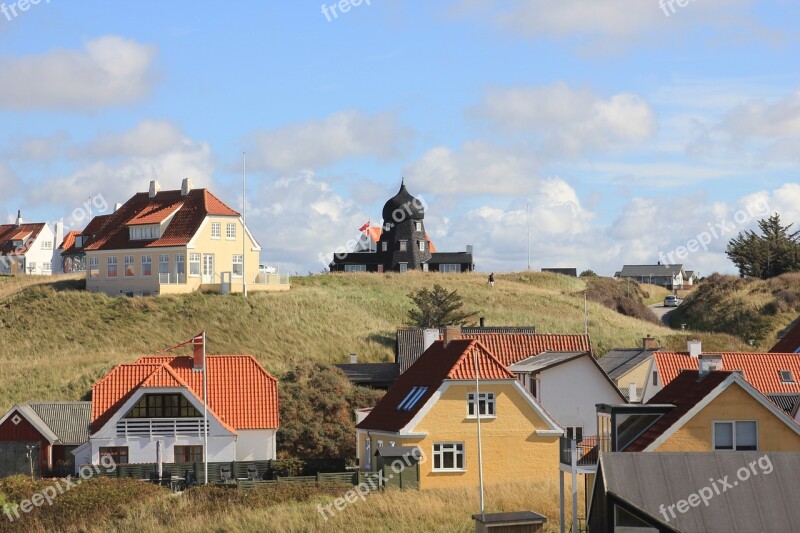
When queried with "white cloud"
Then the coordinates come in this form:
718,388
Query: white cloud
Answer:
42,149
8,181
150,138
320,143
570,121
760,118
110,70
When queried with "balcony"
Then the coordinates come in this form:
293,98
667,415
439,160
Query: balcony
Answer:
160,427
172,279
587,452
272,279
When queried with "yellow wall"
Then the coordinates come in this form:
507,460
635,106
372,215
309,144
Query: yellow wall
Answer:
511,449
637,374
733,404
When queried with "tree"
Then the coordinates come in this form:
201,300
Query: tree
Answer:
437,308
588,274
771,254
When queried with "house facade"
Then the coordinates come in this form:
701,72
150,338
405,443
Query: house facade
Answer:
174,242
434,407
669,276
160,399
29,248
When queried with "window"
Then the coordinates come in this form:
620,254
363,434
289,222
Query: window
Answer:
448,456
32,266
47,245
163,406
368,454
403,246
118,454
655,378
194,264
163,263
230,231
79,241
111,267
180,264
425,267
624,519
450,268
47,266
130,267
355,268
403,267
486,405
421,246
411,398
736,435
384,246
94,267
147,265
188,454
575,432
237,265
786,376
139,233
216,230
418,226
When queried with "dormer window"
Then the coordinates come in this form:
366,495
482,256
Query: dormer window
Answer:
144,233
79,241
786,376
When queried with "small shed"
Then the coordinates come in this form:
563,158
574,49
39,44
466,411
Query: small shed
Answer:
399,465
516,522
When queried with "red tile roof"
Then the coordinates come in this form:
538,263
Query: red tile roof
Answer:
241,393
375,232
790,342
761,370
456,361
684,392
68,243
12,232
193,208
510,348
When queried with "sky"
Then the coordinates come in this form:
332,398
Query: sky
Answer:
612,131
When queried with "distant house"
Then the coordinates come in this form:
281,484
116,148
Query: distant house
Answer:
789,341
402,245
433,407
49,430
29,248
371,375
628,367
691,278
669,276
174,242
73,247
572,272
644,492
160,398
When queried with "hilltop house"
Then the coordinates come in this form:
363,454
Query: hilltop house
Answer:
29,248
73,248
160,398
669,276
433,408
49,430
403,244
170,242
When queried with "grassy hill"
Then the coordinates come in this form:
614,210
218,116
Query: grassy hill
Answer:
57,340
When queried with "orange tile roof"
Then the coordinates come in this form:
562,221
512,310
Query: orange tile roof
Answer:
241,393
761,370
69,241
375,232
438,363
155,213
12,232
511,348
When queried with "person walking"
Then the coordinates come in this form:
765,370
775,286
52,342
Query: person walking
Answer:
491,279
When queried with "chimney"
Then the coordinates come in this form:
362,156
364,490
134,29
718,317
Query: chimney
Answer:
59,234
483,322
19,217
451,333
197,355
709,362
154,188
118,205
649,343
632,398
429,336
186,186
694,348
353,358
469,248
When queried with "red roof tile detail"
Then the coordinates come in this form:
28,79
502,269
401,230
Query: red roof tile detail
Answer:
154,213
761,370
684,392
241,393
510,348
437,364
12,232
69,241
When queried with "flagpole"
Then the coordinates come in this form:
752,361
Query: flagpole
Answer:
478,412
244,218
205,409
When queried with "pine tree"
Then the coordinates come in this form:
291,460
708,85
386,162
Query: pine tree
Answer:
437,308
774,252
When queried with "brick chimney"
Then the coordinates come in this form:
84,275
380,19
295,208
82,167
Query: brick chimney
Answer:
451,333
155,187
197,353
186,186
649,343
695,348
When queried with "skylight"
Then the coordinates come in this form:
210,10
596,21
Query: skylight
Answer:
786,376
411,398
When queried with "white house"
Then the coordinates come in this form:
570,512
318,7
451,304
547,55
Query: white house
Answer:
30,248
568,385
160,399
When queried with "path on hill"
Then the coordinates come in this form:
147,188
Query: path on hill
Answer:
663,313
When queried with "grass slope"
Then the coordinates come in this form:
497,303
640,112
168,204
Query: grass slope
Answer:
58,340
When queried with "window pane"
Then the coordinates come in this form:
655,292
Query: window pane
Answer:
723,436
448,460
746,436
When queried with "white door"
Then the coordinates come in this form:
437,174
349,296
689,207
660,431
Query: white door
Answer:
208,268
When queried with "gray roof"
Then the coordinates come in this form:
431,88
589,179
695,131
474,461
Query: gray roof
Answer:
536,363
643,271
765,502
371,373
443,258
68,420
620,361
398,451
786,401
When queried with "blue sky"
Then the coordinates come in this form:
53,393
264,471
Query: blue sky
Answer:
627,132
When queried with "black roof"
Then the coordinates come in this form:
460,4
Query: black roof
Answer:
441,258
518,517
377,375
619,361
566,271
404,205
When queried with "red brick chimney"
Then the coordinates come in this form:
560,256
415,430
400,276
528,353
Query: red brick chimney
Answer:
198,347
451,333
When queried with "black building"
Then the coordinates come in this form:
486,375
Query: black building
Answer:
403,244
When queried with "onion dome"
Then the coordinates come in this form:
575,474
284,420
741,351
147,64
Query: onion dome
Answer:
403,206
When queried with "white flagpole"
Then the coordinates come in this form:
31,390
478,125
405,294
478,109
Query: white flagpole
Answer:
205,409
478,412
244,218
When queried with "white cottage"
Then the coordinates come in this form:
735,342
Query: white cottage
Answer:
30,248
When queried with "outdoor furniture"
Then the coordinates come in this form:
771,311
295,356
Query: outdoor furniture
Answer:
252,473
225,474
190,480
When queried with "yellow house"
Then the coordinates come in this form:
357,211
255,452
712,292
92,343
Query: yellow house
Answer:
173,242
434,407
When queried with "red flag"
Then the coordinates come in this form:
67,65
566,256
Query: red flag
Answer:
365,227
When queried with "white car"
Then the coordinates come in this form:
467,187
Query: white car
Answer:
671,301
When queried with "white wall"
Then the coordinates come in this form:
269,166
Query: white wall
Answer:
143,449
570,391
255,445
39,254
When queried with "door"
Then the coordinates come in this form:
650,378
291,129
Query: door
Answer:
208,268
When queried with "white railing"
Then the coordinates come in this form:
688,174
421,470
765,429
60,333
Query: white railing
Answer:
160,427
171,279
272,279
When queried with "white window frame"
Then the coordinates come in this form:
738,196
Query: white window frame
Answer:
230,231
384,246
163,259
47,245
128,260
486,399
180,259
421,246
147,260
449,267
216,230
574,430
238,259
355,268
94,267
444,448
403,245
418,226
195,259
403,267
733,433
111,260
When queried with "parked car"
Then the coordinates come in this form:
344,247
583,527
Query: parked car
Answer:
671,301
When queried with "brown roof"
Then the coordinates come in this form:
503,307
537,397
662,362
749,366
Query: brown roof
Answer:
684,392
439,363
790,341
192,210
12,232
69,242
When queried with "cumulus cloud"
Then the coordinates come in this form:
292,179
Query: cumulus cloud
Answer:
570,121
320,143
761,118
108,71
149,138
